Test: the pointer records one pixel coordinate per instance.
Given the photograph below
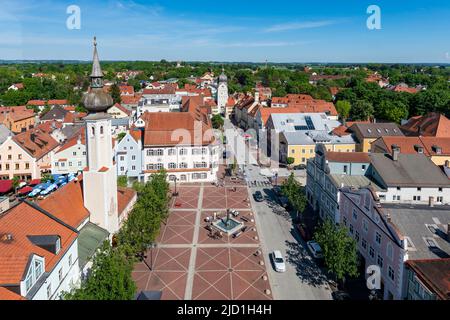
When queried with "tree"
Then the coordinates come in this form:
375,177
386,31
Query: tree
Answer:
295,193
115,93
217,121
361,110
392,110
290,160
121,135
46,177
339,250
343,108
122,181
15,183
109,279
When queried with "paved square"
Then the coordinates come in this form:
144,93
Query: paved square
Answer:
188,264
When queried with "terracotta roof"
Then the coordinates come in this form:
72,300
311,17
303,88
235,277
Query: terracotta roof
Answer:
131,99
36,103
49,126
124,197
126,90
167,89
72,117
432,124
67,203
103,169
360,157
136,134
74,140
231,101
167,129
70,108
406,144
57,102
15,113
18,85
122,108
341,131
435,274
23,221
36,142
405,89
6,294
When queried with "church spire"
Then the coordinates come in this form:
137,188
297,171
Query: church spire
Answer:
96,69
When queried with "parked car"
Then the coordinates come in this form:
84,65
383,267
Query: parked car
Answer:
277,191
315,249
278,261
300,167
340,295
258,196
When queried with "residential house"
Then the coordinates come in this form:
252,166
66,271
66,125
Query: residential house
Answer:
38,254
16,86
390,235
430,125
183,144
427,279
330,171
296,135
118,111
435,148
71,156
159,100
126,90
27,155
128,155
366,133
17,119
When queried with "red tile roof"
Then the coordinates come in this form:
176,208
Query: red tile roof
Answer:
126,90
360,157
124,197
435,274
21,222
74,140
67,203
131,99
6,294
36,103
57,102
36,142
341,131
433,124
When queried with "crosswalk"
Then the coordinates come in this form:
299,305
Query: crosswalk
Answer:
259,184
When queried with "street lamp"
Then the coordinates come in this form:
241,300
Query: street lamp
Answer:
175,194
150,247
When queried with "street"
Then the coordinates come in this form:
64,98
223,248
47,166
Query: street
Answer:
303,279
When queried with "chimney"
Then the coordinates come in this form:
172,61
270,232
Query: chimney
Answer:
431,202
257,96
395,152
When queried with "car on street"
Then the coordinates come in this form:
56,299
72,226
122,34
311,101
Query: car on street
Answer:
340,295
258,196
278,261
315,249
300,167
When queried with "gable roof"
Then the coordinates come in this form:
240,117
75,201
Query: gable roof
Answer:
124,197
434,273
36,142
67,203
410,170
376,130
55,113
22,221
433,124
73,141
353,157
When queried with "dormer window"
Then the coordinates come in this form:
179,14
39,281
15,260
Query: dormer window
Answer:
437,149
58,245
35,271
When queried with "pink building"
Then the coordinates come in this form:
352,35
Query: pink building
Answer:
388,235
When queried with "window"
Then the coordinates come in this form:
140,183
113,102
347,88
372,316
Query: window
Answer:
419,189
398,188
56,164
49,291
363,166
84,153
60,275
183,165
345,169
389,251
345,221
159,166
440,189
70,260
371,252
9,148
74,153
101,130
200,165
38,269
160,152
172,165
377,238
357,236
391,273
351,228
380,261
355,215
58,245
364,243
19,157
150,152
70,163
440,199
416,198
79,163
122,158
133,157
27,165
183,152
293,151
303,151
122,169
17,166
365,225
9,157
204,151
93,131
172,152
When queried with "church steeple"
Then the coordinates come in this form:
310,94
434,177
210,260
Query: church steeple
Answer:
96,100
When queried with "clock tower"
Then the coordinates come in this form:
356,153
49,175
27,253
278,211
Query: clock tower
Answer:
100,177
222,92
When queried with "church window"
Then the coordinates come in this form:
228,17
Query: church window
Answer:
93,131
101,130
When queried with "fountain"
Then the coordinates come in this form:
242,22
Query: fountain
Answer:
228,224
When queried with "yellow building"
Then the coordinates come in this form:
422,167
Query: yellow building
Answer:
366,133
301,146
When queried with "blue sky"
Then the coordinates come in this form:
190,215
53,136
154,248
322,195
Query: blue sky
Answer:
231,30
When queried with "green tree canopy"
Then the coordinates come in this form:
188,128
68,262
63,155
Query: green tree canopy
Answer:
343,108
361,110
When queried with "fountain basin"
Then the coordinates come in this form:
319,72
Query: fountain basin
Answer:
228,226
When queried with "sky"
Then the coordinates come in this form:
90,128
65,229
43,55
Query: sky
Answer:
411,31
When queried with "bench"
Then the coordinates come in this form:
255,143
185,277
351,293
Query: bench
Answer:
245,219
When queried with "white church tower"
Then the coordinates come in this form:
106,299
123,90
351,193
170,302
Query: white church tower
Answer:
222,92
100,179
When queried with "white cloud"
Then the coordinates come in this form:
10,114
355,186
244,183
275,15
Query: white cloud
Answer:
299,25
